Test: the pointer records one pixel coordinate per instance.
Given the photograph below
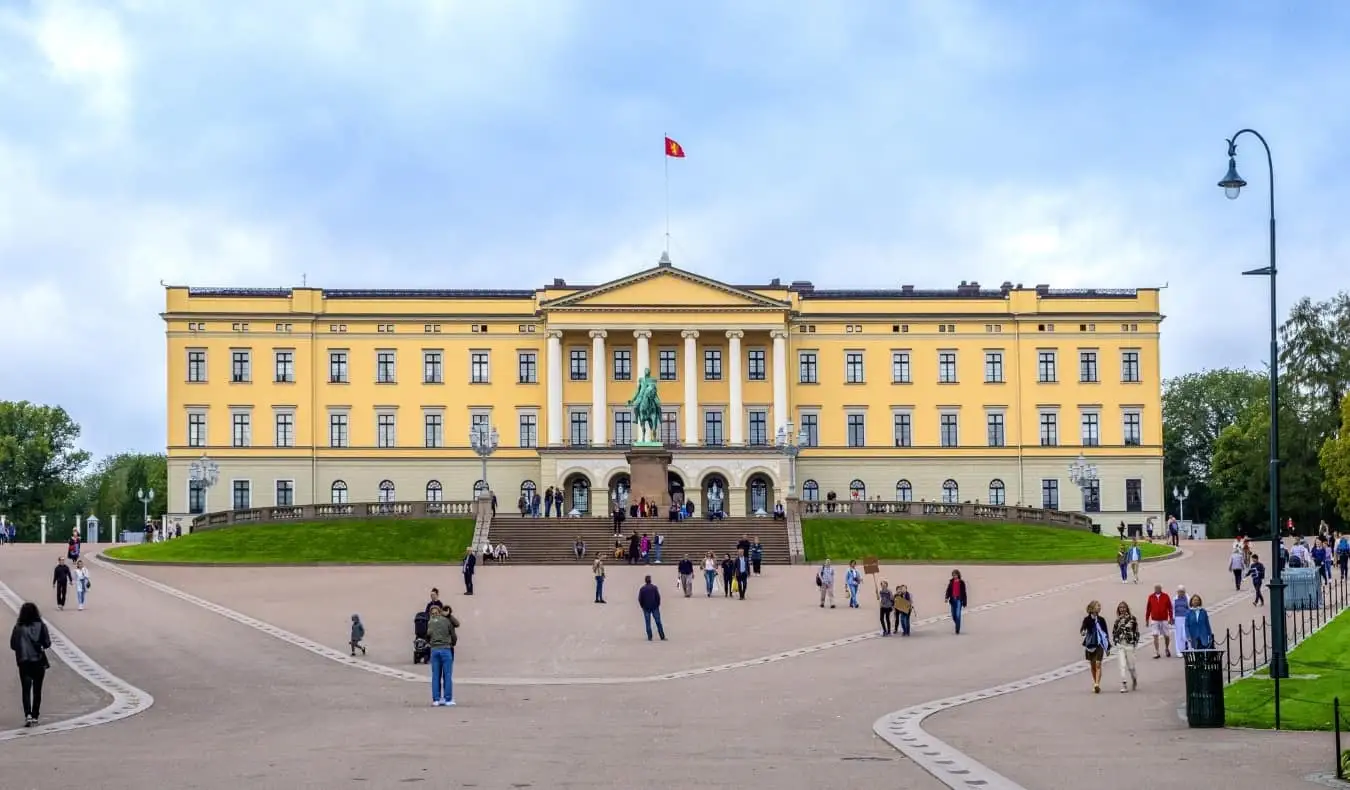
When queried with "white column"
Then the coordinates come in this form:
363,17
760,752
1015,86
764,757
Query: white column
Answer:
691,415
599,408
43,521
780,373
554,413
644,357
737,408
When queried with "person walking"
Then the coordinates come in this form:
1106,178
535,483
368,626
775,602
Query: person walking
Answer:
728,574
825,581
358,634
1198,632
957,598
887,601
1125,634
442,636
658,543
1158,620
904,608
1257,572
61,579
649,598
1123,562
1343,555
852,580
1096,643
1135,555
710,572
82,584
30,642
598,568
1180,608
73,545
548,503
470,562
1237,568
757,556
742,572
686,571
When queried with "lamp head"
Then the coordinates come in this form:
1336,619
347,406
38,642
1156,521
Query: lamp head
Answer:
1232,183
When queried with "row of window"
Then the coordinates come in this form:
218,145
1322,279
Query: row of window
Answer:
998,493
527,366
241,493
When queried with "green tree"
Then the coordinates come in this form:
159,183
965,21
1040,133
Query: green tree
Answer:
1315,358
1335,464
39,462
1196,408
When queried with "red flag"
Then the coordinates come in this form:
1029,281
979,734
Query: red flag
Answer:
674,149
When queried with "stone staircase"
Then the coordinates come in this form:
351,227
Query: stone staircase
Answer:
548,541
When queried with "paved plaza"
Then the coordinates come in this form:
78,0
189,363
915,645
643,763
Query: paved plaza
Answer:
555,691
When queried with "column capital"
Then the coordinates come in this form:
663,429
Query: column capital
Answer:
642,334
735,334
554,334
778,334
598,334
689,334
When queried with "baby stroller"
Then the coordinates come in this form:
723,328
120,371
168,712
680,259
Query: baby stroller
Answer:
421,647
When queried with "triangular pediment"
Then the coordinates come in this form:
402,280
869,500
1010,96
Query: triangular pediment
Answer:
665,287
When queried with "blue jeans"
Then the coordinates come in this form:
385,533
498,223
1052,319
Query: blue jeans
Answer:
1124,570
956,615
711,578
648,615
657,549
442,665
79,593
599,588
904,623
853,595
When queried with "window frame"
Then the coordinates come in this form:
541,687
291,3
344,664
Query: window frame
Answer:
433,366
993,367
339,426
808,367
238,420
949,429
1126,364
386,366
339,367
578,364
241,366
756,364
947,367
386,430
855,370
1048,429
197,366
712,363
283,366
855,429
527,367
1089,372
480,366
668,358
1047,366
901,370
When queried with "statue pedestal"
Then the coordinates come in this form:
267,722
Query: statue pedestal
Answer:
648,474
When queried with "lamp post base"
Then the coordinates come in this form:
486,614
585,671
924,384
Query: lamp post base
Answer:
1279,645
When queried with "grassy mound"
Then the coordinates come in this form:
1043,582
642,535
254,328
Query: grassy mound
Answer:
1319,671
844,539
354,541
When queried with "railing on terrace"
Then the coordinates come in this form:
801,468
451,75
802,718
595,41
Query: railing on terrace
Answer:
956,511
264,515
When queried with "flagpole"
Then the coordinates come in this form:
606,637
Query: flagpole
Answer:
665,157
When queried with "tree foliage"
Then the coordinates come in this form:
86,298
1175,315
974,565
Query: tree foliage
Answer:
1197,407
39,461
1335,463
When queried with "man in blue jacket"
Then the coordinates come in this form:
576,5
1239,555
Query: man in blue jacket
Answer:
470,560
649,598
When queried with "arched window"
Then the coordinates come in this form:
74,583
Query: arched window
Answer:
857,490
811,491
759,494
434,491
386,491
338,493
904,492
527,490
998,495
951,492
479,487
581,495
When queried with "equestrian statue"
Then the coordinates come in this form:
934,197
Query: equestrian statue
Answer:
646,405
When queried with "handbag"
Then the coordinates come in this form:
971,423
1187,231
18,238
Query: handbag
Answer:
819,583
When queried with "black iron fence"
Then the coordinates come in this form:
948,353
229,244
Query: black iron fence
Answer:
1247,646
1342,757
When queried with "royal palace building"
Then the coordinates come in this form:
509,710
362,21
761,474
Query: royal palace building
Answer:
975,394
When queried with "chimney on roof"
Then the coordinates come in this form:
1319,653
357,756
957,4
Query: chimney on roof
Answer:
665,259
775,281
559,282
1042,289
1006,287
1019,286
802,286
968,289
907,290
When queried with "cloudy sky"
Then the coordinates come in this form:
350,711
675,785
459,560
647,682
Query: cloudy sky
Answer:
498,143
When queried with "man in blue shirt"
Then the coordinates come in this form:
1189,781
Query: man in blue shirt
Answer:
1134,556
742,571
649,598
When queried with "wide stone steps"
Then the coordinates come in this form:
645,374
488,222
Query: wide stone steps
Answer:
548,541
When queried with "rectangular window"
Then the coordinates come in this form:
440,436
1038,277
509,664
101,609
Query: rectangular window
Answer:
1045,367
285,429
285,493
242,495
949,435
900,367
433,430
947,367
759,427
337,367
623,427
755,369
806,364
196,497
196,429
240,372
997,434
1092,496
1133,430
479,372
1134,495
1050,494
623,364
285,367
1129,366
853,367
242,435
712,364
385,432
384,367
670,427
1087,367
811,424
337,430
579,433
529,430
903,429
196,366
433,368
857,430
1049,429
993,367
666,360
527,363
712,428
1092,430
579,370
480,421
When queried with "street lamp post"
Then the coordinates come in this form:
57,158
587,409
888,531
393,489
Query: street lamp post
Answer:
790,446
483,440
1232,185
1181,497
204,471
1083,475
146,498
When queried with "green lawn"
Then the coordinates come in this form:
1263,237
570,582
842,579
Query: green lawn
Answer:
354,541
843,539
1305,702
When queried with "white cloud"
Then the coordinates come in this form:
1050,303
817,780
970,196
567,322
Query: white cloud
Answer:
85,47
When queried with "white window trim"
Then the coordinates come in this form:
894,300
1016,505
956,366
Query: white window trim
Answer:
527,411
1001,411
275,503
433,411
206,364
488,352
855,411
763,350
344,411
278,411
633,373
441,367
248,364
385,412
206,497
863,364
948,411
520,354
206,422
585,411
248,480
956,365
909,364
247,411
394,378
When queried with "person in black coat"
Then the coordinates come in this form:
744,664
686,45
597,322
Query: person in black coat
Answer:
470,561
728,573
957,595
634,554
61,579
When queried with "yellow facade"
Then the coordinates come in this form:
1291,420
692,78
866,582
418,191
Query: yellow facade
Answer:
297,392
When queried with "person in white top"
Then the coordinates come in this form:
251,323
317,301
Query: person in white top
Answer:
81,582
710,572
500,553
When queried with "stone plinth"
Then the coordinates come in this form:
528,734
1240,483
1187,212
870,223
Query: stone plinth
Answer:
649,477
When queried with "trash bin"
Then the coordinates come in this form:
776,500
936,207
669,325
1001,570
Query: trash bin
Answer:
1204,687
1302,588
1096,529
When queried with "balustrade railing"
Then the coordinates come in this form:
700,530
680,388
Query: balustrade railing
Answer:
967,511
266,515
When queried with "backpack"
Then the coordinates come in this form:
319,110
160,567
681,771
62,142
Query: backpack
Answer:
1092,640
